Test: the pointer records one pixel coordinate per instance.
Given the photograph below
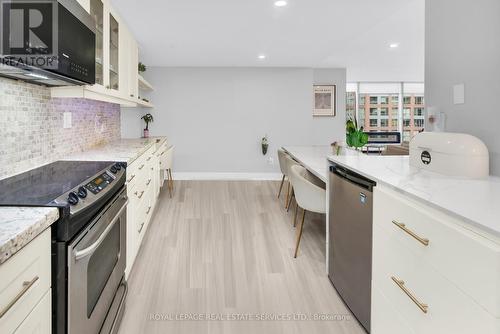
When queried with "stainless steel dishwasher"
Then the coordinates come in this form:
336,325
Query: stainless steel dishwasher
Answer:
350,239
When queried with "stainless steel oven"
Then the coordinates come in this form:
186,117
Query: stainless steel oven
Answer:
96,265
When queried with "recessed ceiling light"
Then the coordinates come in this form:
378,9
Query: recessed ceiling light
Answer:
280,3
393,45
261,56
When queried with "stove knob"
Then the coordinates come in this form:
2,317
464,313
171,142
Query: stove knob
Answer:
113,169
72,198
82,192
118,166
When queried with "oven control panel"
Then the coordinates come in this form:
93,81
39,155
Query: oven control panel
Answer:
99,183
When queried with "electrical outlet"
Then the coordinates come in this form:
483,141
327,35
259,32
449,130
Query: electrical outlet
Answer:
67,120
270,161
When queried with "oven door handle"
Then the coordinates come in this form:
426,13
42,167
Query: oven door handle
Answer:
90,249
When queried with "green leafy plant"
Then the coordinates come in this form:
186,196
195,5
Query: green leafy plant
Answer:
265,144
148,118
355,137
141,67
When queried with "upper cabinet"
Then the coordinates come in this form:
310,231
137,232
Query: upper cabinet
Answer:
116,58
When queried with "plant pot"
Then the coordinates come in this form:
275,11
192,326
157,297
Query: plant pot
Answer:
264,148
146,133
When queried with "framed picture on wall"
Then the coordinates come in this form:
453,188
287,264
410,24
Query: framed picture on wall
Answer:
324,100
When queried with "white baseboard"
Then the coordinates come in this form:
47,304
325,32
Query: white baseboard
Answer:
227,176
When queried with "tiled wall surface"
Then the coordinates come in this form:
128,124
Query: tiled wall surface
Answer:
31,126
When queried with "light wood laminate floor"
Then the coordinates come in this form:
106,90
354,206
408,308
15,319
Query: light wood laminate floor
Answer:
225,248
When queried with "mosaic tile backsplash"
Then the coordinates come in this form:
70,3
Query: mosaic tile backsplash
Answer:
31,126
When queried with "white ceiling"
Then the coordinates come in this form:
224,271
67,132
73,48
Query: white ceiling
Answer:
307,33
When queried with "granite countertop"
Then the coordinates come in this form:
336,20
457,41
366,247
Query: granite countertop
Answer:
20,225
126,150
474,201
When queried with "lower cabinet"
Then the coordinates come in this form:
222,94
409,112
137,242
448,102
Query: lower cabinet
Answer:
25,293
431,272
143,182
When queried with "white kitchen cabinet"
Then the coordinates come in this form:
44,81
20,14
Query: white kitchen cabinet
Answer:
116,60
142,183
39,321
426,269
25,281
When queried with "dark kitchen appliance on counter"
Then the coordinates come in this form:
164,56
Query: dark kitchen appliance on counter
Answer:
88,240
350,239
73,33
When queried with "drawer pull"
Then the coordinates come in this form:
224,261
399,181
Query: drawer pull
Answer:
142,193
163,152
142,166
423,241
401,284
149,181
148,159
26,286
131,178
140,228
149,209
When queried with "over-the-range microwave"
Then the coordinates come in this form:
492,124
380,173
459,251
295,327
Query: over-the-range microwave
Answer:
73,33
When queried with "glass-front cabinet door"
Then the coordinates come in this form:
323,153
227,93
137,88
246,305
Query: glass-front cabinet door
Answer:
113,53
97,13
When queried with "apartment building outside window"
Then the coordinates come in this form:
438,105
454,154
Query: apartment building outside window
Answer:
384,107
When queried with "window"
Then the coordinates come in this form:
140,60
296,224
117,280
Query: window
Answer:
384,111
419,100
407,100
362,101
406,113
394,123
373,111
350,106
374,122
419,123
373,99
384,100
406,122
384,123
418,112
395,100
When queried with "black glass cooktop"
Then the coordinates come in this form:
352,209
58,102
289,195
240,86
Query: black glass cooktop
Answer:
42,185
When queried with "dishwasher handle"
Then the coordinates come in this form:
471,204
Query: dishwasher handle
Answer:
353,177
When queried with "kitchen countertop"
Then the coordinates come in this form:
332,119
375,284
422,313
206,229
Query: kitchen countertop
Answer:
313,158
126,150
20,225
474,201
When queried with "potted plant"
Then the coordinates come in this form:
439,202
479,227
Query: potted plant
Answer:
265,144
148,118
141,67
355,137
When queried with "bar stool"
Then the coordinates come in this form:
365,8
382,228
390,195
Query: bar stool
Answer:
282,161
169,155
308,196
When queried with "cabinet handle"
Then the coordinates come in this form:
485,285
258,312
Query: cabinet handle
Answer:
26,286
142,166
423,241
401,284
140,228
148,159
131,178
162,153
149,209
149,181
142,193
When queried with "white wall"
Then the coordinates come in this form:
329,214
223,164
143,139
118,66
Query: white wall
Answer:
462,46
216,116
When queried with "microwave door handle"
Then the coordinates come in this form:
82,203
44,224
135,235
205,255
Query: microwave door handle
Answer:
90,249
